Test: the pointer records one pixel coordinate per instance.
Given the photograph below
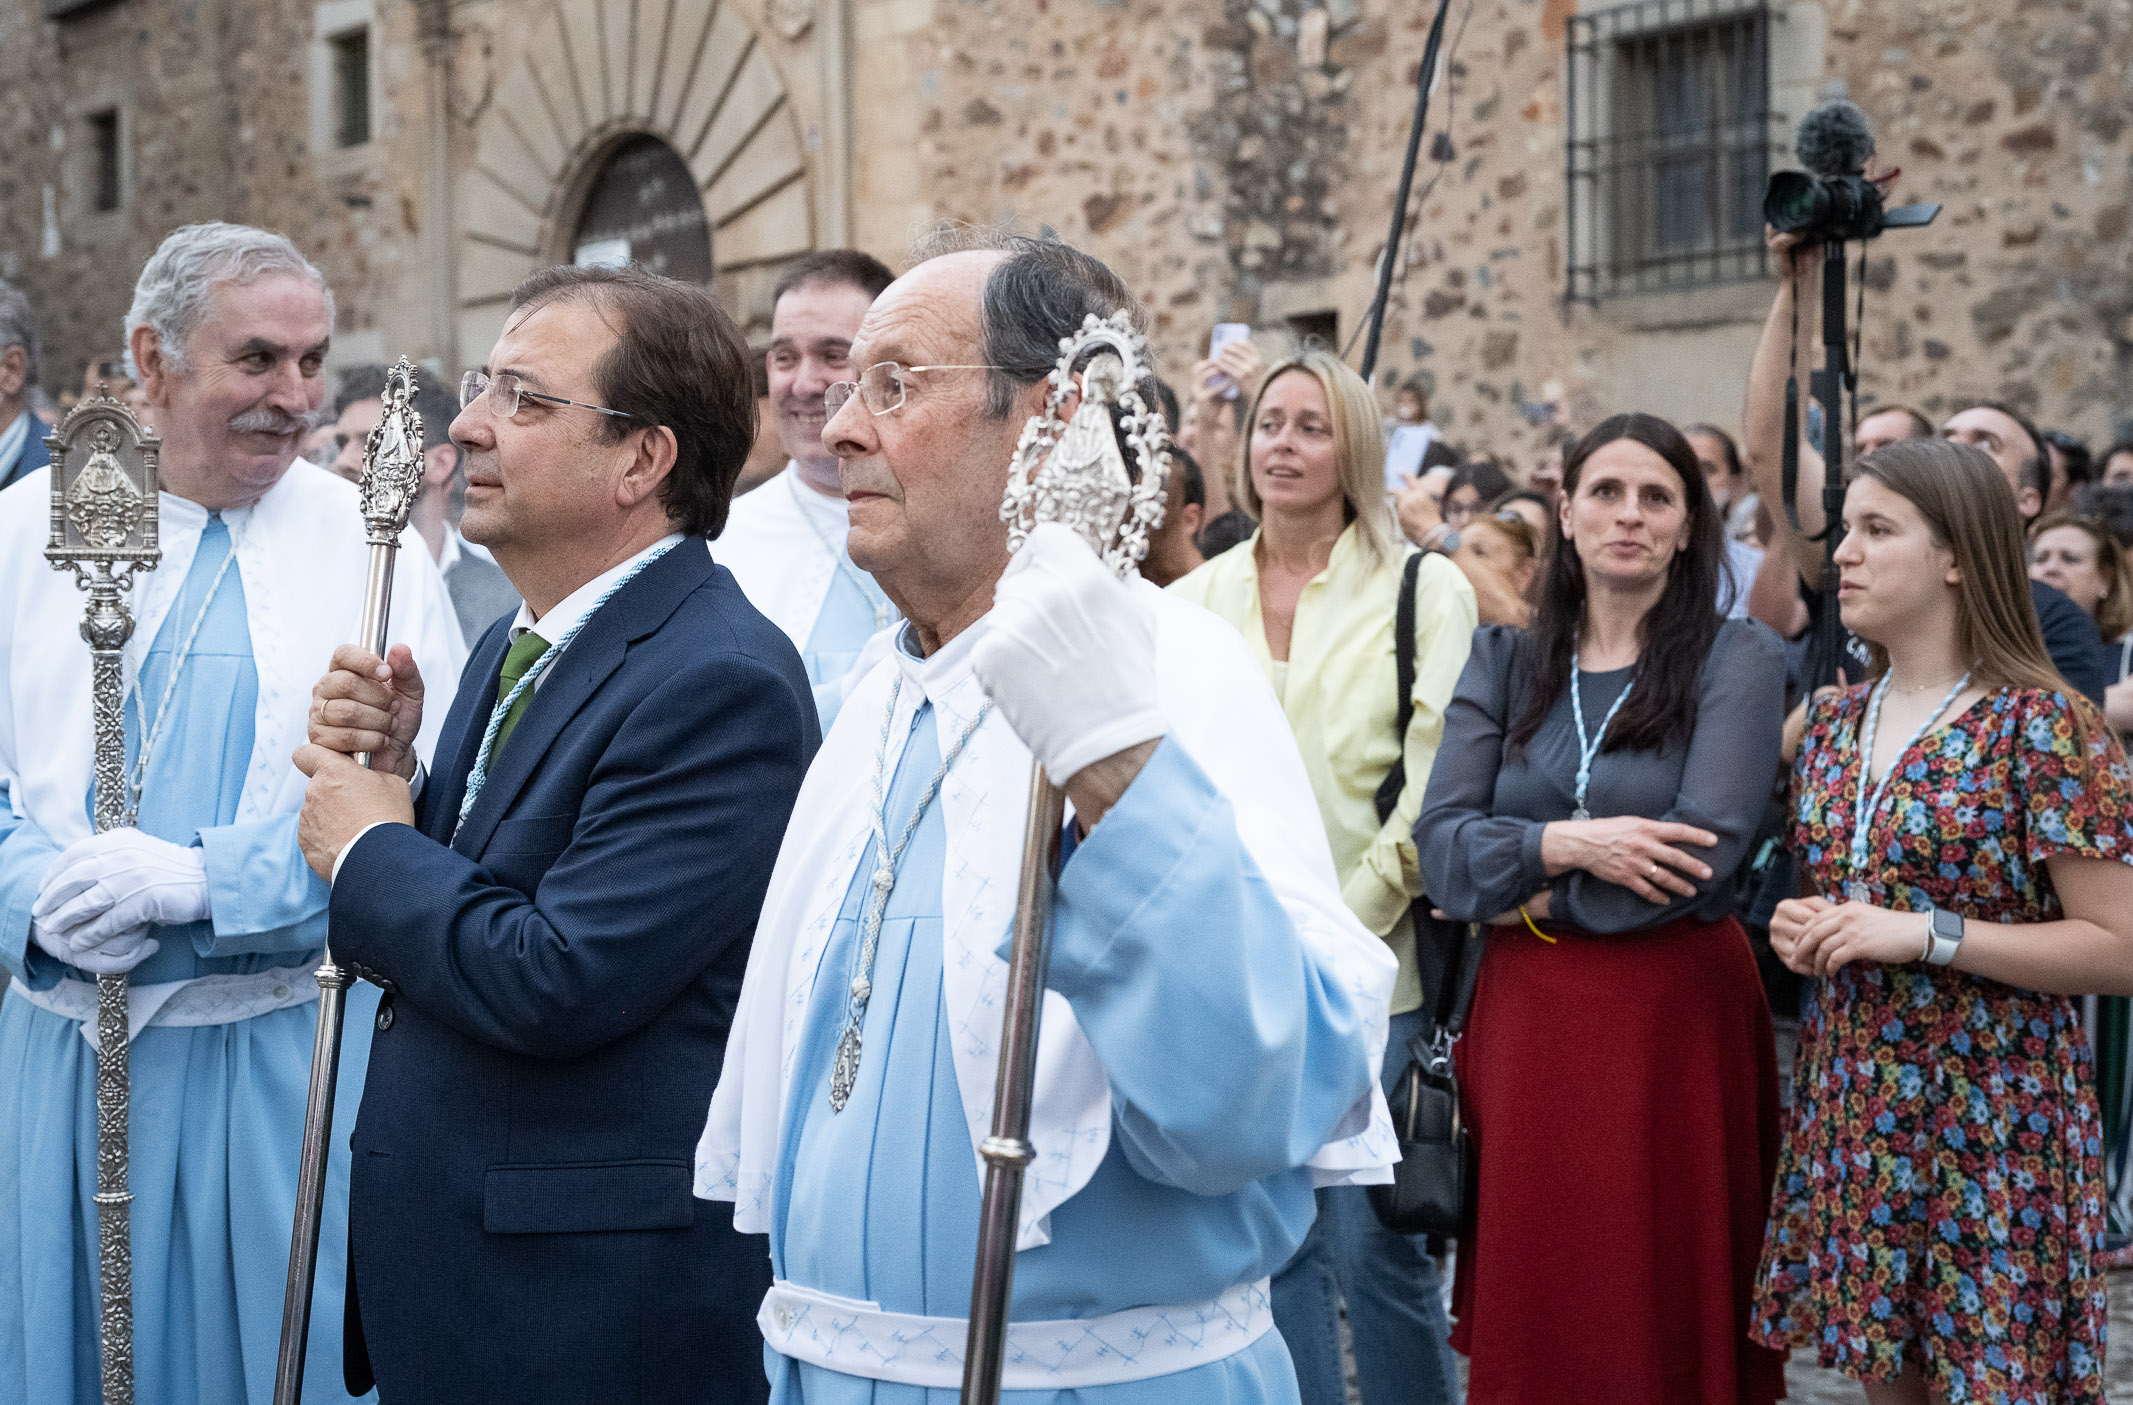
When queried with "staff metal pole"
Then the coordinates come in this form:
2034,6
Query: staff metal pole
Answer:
104,528
392,478
1072,472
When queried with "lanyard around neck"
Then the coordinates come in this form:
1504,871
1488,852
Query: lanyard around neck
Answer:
1868,803
1587,750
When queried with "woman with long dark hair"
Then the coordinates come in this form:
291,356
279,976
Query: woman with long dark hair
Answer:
1964,820
1599,781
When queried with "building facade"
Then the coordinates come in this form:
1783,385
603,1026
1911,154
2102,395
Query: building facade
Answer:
1586,228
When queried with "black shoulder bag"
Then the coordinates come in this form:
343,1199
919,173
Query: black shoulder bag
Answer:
1430,1190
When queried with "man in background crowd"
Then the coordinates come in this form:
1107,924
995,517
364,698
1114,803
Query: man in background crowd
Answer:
22,449
357,408
2069,634
785,542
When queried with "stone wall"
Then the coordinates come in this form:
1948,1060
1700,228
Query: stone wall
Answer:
1234,159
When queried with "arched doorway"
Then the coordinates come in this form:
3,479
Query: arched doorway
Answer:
643,207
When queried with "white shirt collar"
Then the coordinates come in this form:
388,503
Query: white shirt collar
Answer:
579,603
448,557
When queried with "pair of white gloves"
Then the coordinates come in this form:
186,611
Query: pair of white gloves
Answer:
1068,655
103,893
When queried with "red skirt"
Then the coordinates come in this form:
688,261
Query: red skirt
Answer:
1622,1096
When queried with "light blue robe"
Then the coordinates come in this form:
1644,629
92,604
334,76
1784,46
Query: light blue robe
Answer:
850,616
217,1111
1176,956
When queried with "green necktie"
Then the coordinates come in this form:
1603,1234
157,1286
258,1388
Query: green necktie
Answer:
524,650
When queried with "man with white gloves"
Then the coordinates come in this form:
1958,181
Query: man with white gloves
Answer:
207,906
1215,1014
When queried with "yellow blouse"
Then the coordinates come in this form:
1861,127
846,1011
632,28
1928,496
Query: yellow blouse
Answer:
1338,688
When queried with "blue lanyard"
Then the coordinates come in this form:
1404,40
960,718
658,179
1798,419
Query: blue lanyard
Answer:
1587,750
1869,803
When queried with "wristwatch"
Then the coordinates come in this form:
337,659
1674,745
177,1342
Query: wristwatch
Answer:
1944,935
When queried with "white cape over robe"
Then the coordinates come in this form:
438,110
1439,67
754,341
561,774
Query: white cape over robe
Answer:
303,561
1220,709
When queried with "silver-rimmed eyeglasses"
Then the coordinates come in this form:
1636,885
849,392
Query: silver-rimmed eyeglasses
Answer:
881,387
505,391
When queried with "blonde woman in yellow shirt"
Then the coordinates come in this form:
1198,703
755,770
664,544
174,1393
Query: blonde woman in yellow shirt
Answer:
1314,592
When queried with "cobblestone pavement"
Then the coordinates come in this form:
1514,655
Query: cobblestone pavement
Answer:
1808,1385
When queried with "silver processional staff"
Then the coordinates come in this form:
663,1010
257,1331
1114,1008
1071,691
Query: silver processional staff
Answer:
392,479
104,525
1071,472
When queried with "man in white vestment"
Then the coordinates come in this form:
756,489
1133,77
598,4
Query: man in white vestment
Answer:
207,905
1215,1014
785,541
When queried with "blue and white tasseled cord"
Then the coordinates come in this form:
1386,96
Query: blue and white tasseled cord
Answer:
479,776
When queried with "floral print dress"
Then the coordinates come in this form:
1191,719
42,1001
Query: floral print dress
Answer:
1939,1198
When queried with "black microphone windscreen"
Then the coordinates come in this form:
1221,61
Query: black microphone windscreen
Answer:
1835,140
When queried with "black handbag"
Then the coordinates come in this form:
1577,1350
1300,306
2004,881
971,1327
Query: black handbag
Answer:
1430,1191
1432,1186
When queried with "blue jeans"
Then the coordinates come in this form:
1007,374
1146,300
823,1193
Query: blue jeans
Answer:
1395,1305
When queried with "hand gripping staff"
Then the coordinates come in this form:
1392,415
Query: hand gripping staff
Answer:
392,478
1072,472
104,524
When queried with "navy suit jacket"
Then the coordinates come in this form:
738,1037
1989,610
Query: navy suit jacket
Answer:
560,979
33,457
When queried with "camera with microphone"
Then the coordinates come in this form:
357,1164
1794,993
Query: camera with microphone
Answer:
1832,201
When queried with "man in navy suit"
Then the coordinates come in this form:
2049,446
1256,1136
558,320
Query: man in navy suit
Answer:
22,448
560,914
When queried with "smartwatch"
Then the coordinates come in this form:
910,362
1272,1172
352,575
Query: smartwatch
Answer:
1944,935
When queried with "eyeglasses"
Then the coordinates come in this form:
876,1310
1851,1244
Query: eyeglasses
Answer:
882,386
505,391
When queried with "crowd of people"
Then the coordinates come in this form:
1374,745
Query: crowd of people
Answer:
679,880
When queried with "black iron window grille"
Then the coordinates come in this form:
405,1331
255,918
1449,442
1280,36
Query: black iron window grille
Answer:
1669,146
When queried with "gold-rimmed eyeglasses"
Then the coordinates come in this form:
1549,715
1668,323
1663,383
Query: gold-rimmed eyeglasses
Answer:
505,391
881,387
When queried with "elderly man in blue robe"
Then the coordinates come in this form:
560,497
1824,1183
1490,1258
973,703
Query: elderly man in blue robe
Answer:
207,906
1215,1013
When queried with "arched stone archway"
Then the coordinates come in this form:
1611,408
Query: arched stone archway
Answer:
590,74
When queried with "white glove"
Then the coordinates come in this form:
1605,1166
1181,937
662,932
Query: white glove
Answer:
1068,655
111,958
110,884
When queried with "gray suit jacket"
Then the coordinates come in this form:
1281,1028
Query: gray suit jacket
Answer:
480,593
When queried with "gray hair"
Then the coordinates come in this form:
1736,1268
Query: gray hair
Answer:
1038,294
172,291
18,326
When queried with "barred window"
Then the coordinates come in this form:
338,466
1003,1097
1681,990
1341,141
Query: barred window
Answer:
1668,107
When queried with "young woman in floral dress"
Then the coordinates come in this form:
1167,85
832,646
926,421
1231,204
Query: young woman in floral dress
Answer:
1940,1196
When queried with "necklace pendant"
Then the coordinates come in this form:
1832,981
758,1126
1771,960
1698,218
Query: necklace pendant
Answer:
1856,891
844,1073
1581,813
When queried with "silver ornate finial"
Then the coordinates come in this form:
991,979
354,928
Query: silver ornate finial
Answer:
392,460
104,528
1071,470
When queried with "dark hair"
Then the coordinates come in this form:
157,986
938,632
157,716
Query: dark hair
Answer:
2080,466
358,383
1036,295
2111,504
677,361
437,406
1219,534
1921,427
1186,467
837,268
1167,401
1440,455
2039,473
1734,469
1488,481
1676,634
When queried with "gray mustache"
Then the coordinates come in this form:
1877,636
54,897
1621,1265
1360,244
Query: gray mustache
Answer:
275,422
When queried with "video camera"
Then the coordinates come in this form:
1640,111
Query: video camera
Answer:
1832,201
